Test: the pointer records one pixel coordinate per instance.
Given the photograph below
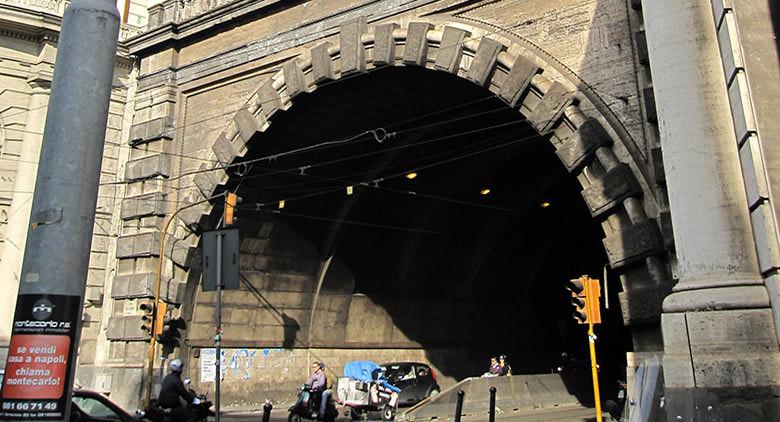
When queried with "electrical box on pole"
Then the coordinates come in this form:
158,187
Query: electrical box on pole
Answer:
229,245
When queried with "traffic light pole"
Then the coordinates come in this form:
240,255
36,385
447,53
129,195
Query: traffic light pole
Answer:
153,340
594,370
218,336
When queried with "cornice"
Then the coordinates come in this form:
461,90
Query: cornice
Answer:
304,33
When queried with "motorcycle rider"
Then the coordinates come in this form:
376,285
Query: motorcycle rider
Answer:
318,384
172,391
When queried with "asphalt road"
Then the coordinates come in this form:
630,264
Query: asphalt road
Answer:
560,414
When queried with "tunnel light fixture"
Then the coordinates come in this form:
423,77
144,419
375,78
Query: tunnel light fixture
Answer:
411,176
545,204
484,191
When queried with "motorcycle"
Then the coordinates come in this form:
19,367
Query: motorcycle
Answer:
200,411
305,407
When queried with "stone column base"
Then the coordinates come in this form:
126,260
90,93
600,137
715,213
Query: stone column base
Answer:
721,366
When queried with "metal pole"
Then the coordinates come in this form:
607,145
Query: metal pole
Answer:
492,411
594,371
54,270
459,405
218,337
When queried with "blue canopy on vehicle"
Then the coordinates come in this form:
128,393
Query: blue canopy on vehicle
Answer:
360,370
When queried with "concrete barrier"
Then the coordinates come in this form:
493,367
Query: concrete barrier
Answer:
515,393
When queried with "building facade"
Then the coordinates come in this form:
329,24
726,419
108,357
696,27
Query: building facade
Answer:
617,136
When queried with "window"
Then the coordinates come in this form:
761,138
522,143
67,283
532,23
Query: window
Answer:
95,409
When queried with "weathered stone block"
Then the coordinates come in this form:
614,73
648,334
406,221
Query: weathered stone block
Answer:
416,49
516,82
159,128
268,99
352,53
741,108
546,114
384,44
665,221
484,62
145,244
730,50
657,160
765,234
194,217
577,150
451,49
206,180
143,285
633,244
608,190
224,150
321,63
148,167
731,331
179,251
651,114
753,171
293,78
248,126
144,205
125,327
642,305
641,47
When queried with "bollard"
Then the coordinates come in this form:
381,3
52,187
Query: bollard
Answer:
459,405
267,411
492,411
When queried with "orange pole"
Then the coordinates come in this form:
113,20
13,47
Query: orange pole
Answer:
594,371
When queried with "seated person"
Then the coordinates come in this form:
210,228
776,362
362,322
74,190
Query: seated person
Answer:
503,366
318,386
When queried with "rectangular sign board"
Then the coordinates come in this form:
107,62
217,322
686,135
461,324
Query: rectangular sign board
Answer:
229,244
36,370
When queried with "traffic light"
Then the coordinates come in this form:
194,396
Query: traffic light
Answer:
152,319
231,200
585,293
170,332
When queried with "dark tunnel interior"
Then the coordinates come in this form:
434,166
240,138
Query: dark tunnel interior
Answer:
469,255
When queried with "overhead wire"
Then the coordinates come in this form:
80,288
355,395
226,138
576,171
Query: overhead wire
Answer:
227,113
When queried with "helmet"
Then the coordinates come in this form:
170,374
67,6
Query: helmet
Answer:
175,365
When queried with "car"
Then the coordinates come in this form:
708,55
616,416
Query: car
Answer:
88,405
416,380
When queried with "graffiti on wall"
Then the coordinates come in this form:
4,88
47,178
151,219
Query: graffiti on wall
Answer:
246,364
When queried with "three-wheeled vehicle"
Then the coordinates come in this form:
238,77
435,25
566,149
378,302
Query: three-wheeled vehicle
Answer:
366,391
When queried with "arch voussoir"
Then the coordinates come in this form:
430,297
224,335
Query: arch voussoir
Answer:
484,61
450,49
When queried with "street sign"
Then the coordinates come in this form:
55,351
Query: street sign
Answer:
227,241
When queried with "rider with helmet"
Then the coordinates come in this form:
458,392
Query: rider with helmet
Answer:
173,391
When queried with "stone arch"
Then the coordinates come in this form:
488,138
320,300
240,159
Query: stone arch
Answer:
614,186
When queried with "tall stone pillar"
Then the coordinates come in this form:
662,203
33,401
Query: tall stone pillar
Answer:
719,338
19,212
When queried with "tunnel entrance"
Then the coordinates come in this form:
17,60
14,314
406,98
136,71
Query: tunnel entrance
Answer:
421,213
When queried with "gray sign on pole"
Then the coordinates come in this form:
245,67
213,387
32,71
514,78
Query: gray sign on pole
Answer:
230,256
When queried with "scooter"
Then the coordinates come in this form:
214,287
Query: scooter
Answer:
200,411
305,407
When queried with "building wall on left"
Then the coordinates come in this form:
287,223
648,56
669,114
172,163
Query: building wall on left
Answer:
29,31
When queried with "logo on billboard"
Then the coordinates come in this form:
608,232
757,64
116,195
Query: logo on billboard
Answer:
42,309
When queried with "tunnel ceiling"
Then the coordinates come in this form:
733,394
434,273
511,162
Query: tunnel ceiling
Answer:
445,239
